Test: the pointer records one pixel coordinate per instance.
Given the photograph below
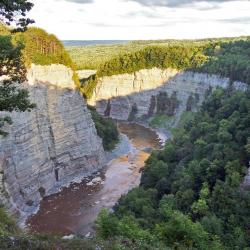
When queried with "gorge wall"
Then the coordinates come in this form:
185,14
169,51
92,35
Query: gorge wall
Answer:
138,95
49,146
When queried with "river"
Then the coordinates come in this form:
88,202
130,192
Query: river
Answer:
75,208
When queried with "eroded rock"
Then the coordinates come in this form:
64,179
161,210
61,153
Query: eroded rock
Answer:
50,146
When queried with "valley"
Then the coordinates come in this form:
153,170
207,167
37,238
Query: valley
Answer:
75,208
138,145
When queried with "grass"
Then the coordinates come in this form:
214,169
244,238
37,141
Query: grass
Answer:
167,122
161,121
185,118
7,224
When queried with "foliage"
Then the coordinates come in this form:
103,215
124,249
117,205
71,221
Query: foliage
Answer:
14,11
106,129
12,97
172,56
42,48
190,195
225,57
88,87
7,225
4,31
18,51
230,59
93,56
12,69
161,121
169,122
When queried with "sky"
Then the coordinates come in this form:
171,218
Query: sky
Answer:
142,19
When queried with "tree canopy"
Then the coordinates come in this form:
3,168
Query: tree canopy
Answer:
224,57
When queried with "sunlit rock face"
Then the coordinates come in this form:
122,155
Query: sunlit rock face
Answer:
85,74
55,74
117,96
51,145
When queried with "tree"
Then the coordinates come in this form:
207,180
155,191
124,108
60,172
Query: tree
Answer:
12,68
15,12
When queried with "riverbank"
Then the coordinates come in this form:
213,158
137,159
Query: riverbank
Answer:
75,208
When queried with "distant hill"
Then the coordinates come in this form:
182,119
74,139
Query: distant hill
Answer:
92,42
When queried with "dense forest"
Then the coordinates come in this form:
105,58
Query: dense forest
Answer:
230,59
173,56
42,48
225,57
93,56
191,194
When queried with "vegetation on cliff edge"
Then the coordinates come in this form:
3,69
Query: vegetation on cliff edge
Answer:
225,57
106,129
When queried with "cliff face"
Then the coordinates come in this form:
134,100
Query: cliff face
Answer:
146,92
121,96
50,146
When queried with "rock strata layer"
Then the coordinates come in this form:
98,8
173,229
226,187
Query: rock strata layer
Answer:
136,96
51,145
120,95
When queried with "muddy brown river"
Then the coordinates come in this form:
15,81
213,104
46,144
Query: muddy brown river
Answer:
75,208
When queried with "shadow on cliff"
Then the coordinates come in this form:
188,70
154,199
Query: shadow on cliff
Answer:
183,91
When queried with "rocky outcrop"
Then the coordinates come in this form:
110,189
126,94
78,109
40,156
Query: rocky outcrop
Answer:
85,74
120,94
50,146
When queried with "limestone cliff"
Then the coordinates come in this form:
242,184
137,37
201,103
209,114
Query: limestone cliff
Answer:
50,146
121,96
138,96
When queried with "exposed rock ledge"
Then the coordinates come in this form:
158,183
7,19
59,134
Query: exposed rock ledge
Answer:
117,95
50,146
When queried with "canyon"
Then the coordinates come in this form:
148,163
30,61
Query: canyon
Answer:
57,144
137,95
50,146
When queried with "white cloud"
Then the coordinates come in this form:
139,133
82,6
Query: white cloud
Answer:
122,19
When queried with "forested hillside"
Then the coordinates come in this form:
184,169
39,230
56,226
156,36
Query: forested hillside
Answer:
225,57
42,48
230,59
190,196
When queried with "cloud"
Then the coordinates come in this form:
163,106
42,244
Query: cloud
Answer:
141,13
127,19
80,1
240,20
178,3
